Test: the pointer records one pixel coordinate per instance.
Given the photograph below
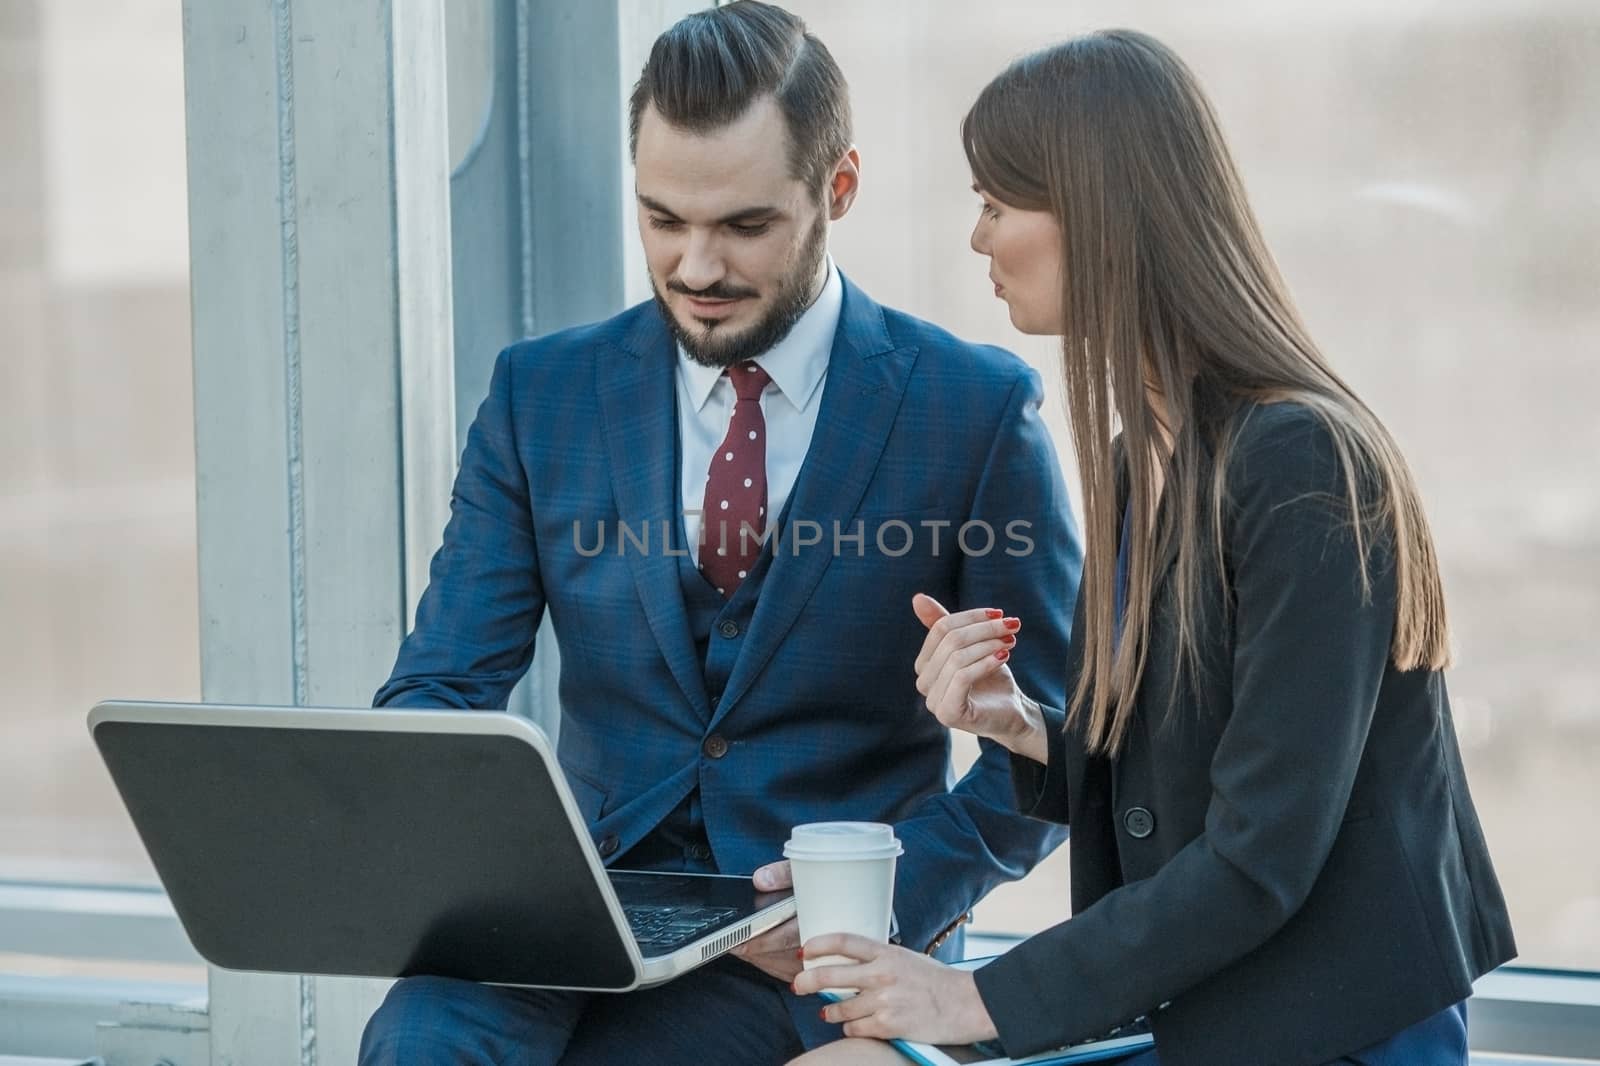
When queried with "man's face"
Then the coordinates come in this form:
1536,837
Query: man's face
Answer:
733,242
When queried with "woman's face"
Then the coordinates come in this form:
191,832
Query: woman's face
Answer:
1024,250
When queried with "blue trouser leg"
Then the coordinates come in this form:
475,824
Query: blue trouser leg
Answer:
724,1012
440,1021
727,1012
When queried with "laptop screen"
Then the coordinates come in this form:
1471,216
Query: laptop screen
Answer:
368,852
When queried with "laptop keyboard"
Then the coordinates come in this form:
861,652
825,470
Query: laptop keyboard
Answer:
660,928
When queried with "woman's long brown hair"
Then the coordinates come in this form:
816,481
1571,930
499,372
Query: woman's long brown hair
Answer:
1166,280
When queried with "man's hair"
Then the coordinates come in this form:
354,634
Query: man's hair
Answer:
708,69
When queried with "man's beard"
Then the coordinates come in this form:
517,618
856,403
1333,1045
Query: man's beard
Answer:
713,346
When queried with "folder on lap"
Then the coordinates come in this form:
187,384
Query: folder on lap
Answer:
1127,1040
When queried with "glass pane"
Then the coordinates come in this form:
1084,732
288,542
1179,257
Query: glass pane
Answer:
469,66
1425,175
97,533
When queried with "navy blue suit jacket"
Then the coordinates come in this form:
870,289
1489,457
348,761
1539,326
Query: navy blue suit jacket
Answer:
820,714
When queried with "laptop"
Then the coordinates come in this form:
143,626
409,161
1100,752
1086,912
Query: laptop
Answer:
395,843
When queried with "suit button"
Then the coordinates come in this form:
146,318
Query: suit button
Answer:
608,845
729,629
1139,822
715,746
716,701
699,852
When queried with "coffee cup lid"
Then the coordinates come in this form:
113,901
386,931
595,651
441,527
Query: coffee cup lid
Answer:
842,841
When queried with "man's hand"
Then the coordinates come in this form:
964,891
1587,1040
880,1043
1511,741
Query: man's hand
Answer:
903,994
777,951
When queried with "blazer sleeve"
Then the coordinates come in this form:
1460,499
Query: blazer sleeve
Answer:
1041,791
961,843
1310,651
475,626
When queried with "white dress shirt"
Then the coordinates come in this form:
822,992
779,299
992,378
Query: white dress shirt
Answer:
797,364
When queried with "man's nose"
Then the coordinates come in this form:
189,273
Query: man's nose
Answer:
701,265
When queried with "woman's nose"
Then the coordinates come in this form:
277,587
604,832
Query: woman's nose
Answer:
980,238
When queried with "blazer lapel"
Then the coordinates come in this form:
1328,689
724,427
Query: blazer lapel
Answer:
1167,548
861,396
1208,408
638,409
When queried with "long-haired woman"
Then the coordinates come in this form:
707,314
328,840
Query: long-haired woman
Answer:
1274,855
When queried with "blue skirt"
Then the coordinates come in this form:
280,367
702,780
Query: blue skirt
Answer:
1437,1041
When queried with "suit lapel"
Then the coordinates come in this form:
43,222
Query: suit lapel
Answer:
638,409
861,396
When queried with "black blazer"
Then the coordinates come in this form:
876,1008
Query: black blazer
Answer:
1288,866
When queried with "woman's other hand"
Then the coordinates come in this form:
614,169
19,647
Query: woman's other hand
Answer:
962,673
902,993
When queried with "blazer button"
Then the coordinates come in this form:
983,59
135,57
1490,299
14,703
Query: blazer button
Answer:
699,852
729,629
608,845
1139,822
715,746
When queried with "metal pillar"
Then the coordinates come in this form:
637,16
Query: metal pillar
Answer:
320,244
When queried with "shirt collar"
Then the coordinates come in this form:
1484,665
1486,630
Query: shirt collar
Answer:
797,364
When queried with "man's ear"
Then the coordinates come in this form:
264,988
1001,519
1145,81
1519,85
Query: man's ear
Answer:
844,184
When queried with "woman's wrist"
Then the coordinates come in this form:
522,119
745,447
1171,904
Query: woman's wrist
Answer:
1030,739
983,1027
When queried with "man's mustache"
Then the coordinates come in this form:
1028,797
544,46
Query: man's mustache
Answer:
719,291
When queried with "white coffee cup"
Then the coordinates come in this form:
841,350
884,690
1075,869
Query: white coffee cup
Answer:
843,882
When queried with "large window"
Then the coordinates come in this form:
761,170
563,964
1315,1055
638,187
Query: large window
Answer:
1424,172
1425,175
97,532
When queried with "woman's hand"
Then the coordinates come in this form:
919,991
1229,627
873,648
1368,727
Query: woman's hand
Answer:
962,673
903,994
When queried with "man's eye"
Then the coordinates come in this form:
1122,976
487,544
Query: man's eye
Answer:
664,223
754,229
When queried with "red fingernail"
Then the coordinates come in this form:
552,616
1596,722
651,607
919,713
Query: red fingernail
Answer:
994,612
800,954
1013,624
823,1014
1008,639
1002,655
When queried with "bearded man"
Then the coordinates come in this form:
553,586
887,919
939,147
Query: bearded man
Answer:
726,499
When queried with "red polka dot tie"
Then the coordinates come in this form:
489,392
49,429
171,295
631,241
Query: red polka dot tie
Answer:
736,487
